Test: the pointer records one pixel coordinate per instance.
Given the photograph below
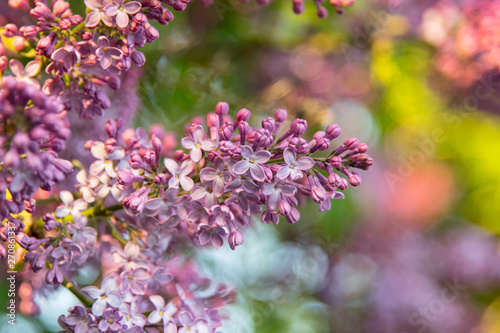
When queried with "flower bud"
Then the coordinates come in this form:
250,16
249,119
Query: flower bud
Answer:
333,131
235,238
221,109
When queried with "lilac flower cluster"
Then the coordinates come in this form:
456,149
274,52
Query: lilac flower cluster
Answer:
32,131
80,56
213,187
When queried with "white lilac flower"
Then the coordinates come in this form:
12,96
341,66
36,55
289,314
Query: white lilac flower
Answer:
104,159
197,143
70,206
294,166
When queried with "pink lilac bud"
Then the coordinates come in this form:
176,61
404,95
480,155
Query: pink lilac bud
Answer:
10,30
298,6
212,120
151,33
226,131
243,129
110,145
293,216
76,20
126,178
322,12
65,24
351,143
29,31
243,115
160,179
221,109
333,131
59,7
180,155
19,43
280,115
336,161
363,148
138,58
111,128
298,127
235,239
284,207
136,162
140,18
88,144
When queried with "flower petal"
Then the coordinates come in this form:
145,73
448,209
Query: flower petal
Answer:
66,197
246,151
241,167
122,19
92,19
304,163
257,172
283,172
262,156
289,156
132,7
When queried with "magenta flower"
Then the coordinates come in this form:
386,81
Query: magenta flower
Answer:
106,54
97,14
294,167
121,10
197,143
253,162
180,174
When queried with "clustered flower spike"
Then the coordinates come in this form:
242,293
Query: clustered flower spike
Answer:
211,191
32,131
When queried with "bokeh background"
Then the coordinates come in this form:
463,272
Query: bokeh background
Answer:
415,247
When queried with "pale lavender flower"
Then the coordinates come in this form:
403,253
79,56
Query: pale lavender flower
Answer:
276,191
121,10
197,143
79,319
134,280
131,315
129,259
70,206
162,311
293,166
190,325
110,321
26,74
108,185
66,56
86,185
211,234
106,53
216,175
206,193
180,174
97,14
253,162
81,234
108,294
198,214
67,249
104,159
164,206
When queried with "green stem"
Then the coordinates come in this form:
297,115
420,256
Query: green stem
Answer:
116,233
97,212
78,293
